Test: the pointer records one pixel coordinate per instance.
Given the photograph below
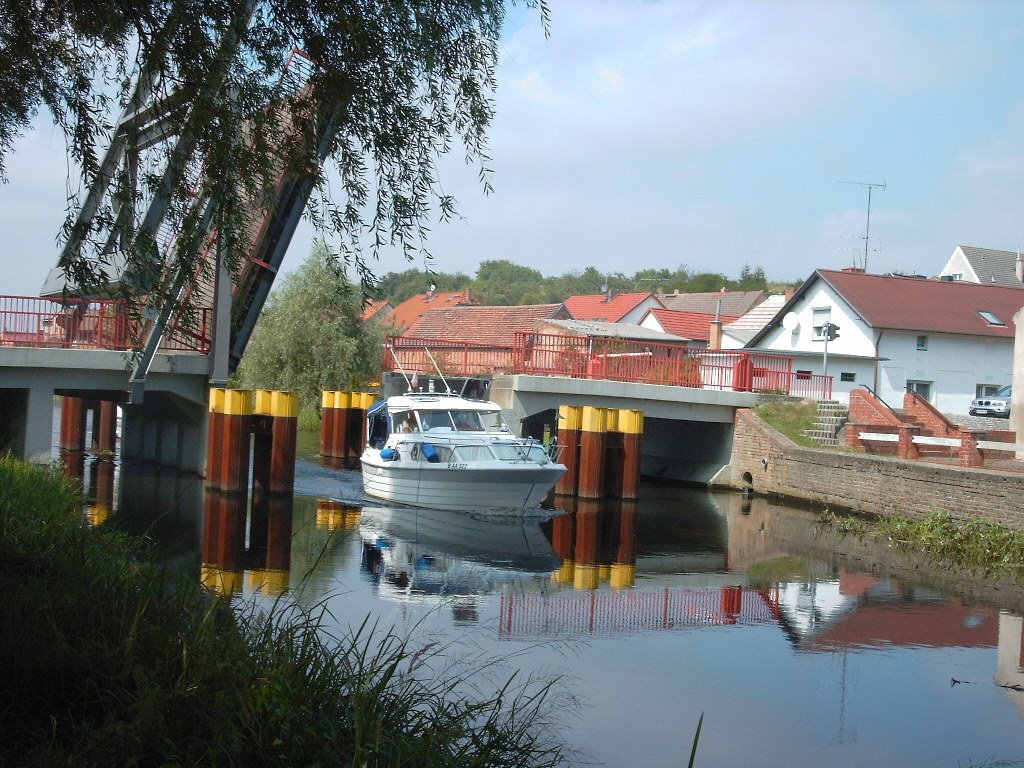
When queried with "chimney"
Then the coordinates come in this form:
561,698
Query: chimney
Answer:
1019,268
715,335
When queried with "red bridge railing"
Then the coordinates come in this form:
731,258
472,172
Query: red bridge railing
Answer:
584,357
29,321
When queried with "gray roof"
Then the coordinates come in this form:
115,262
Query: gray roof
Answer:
734,303
613,330
994,267
753,321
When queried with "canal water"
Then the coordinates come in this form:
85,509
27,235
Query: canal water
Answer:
798,648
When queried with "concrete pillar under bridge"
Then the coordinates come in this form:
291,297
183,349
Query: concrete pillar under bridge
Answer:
167,427
687,432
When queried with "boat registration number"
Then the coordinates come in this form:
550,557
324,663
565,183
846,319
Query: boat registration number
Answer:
453,465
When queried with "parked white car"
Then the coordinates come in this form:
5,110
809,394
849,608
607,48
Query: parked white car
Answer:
993,405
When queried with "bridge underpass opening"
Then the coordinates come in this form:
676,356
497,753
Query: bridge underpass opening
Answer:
685,451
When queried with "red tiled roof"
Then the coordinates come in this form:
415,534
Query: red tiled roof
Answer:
689,325
374,307
407,314
937,306
495,326
599,307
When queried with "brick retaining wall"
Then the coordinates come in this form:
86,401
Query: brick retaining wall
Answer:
874,484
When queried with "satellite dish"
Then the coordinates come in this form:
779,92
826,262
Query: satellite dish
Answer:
791,321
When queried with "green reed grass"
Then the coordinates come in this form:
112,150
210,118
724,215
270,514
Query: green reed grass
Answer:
974,545
106,659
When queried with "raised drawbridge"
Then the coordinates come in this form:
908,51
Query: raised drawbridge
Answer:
192,295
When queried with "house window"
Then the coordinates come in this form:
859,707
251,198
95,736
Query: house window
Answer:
847,376
803,374
922,388
821,317
985,390
922,343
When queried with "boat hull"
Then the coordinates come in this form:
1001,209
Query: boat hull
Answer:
437,486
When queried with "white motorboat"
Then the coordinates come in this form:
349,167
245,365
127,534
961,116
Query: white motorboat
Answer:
444,451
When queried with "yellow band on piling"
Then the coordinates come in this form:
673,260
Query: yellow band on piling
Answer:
623,575
261,402
586,577
565,574
366,400
611,420
569,417
342,400
217,400
237,402
327,399
284,405
267,581
593,419
631,422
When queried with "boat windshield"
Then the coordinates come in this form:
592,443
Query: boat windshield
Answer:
460,420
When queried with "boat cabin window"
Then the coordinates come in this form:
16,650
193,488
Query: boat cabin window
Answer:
405,421
377,430
467,421
474,453
493,422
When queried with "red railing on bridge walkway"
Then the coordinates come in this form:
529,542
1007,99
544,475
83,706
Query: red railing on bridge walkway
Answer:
612,359
30,321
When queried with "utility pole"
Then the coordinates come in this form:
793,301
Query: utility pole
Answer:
867,230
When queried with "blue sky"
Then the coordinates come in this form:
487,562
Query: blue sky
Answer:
706,134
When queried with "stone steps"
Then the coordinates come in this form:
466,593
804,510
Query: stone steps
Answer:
829,420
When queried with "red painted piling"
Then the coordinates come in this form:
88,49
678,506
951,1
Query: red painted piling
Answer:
235,442
631,426
215,437
569,418
106,435
623,571
326,424
587,546
340,428
72,424
592,443
612,455
284,413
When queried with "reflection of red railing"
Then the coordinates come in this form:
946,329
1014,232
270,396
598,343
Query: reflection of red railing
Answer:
29,321
618,612
584,357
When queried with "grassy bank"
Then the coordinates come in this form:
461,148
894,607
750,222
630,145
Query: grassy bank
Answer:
791,419
980,547
107,660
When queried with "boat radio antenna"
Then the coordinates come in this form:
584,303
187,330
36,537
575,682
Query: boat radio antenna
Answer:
438,369
398,362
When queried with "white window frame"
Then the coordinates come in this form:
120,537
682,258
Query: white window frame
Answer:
922,342
820,317
928,386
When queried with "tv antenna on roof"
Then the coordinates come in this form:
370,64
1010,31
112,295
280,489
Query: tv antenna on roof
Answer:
867,229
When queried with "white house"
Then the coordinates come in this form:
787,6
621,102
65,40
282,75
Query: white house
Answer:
949,341
984,265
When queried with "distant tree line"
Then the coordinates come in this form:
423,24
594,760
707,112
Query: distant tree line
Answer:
500,282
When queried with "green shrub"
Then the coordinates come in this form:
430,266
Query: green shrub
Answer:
106,659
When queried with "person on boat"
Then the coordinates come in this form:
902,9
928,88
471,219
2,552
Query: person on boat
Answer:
408,423
464,422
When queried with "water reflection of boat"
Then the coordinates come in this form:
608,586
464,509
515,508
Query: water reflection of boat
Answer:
443,552
443,451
